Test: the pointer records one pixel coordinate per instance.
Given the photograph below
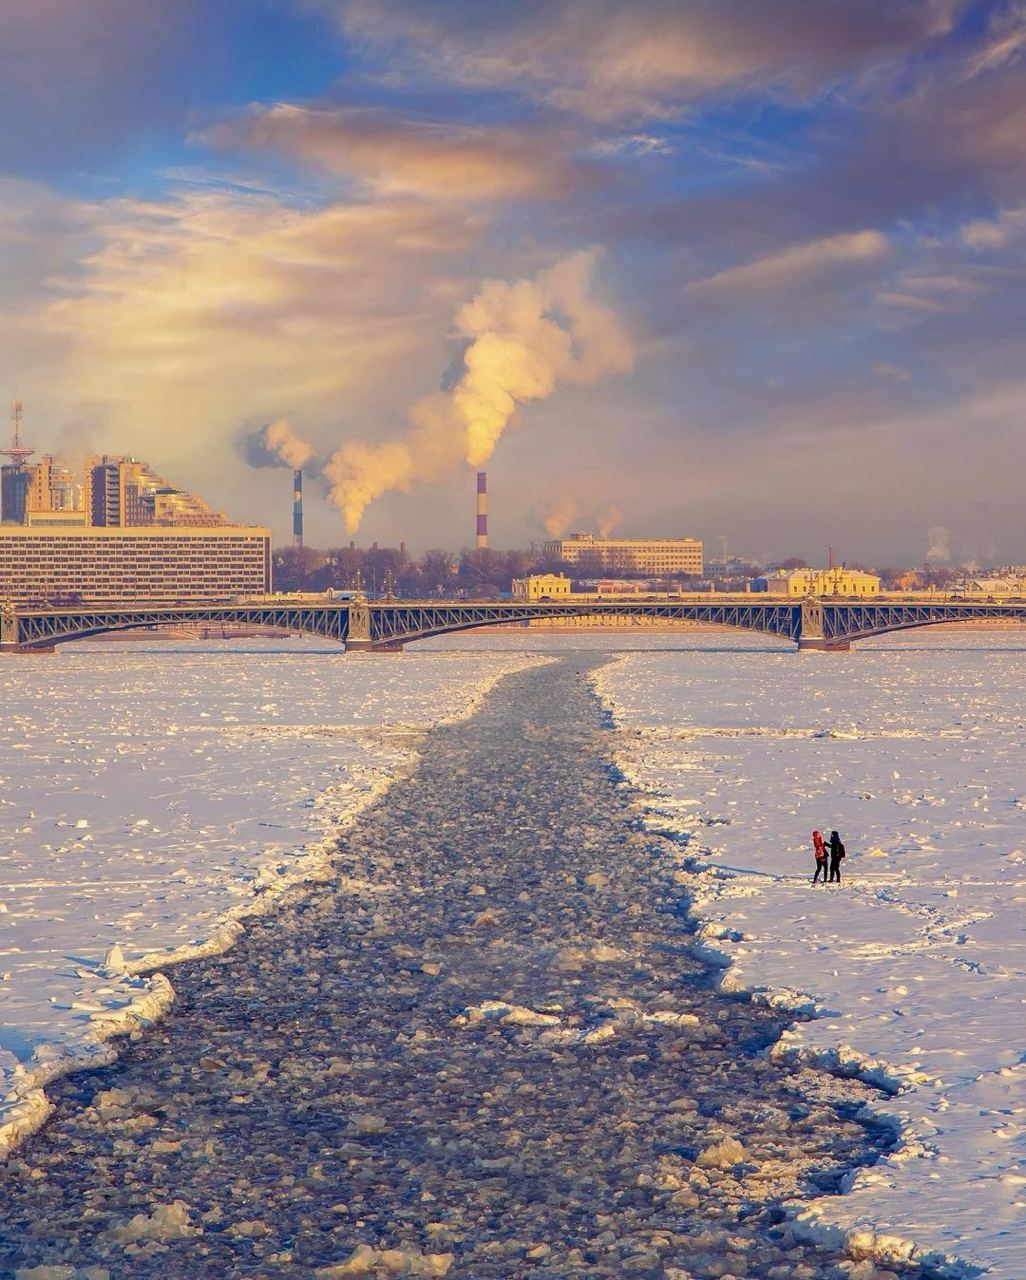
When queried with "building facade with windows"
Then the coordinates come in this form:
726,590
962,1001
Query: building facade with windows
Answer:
818,582
134,566
660,557
126,492
15,483
541,586
52,488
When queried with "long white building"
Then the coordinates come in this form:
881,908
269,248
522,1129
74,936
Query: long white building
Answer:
655,556
117,565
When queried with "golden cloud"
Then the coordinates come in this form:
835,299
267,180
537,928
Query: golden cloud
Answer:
397,156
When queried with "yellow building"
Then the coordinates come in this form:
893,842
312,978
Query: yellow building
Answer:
117,565
819,582
542,586
556,587
656,556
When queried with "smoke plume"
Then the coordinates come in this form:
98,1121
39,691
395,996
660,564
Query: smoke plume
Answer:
939,539
522,341
293,450
276,445
609,520
558,515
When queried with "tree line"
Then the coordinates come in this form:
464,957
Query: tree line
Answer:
488,573
482,573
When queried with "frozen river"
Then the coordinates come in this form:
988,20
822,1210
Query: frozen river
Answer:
482,1050
150,792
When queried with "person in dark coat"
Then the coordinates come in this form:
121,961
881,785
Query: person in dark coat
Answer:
819,849
836,851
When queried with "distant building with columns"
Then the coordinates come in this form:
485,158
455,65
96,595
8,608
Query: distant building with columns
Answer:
542,586
818,582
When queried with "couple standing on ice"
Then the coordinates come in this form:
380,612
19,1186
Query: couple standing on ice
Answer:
834,850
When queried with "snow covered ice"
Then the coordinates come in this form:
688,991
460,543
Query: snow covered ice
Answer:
913,748
152,793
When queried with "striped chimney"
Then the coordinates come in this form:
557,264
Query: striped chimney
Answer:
482,510
297,508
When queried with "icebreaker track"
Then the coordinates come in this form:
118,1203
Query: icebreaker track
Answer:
382,626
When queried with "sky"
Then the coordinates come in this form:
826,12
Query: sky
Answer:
736,269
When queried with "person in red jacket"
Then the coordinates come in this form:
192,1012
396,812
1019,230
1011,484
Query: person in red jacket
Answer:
819,848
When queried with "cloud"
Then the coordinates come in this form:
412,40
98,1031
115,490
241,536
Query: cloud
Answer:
909,300
995,233
43,237
392,154
1005,43
604,59
794,265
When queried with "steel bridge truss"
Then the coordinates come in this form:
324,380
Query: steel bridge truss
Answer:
44,628
847,622
401,623
388,625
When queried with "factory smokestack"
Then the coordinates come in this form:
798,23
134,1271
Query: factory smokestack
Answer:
297,507
482,510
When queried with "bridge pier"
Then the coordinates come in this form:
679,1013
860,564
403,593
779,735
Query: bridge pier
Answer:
358,630
25,650
812,635
818,644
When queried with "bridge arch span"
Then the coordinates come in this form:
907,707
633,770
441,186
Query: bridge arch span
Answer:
893,628
434,632
40,631
407,626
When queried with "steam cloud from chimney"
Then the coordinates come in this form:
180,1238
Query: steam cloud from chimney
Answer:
523,341
276,445
939,539
609,520
558,514
293,450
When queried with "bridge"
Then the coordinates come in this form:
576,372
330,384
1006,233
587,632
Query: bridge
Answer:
382,626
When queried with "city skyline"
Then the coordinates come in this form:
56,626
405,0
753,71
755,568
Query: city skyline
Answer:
808,229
